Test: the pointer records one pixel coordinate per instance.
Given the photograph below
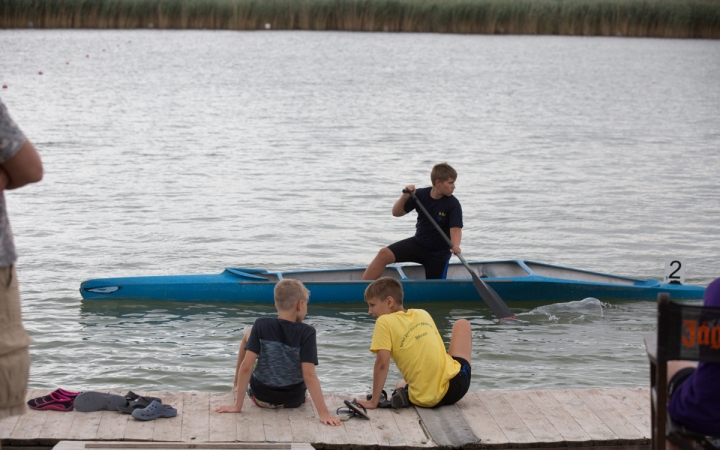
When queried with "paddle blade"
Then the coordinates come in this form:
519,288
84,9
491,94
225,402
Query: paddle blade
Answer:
492,299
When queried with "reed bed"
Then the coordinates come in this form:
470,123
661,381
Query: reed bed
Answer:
647,18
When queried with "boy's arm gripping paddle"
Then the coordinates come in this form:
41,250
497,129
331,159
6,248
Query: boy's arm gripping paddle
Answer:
489,296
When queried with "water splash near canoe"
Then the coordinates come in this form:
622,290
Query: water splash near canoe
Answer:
572,311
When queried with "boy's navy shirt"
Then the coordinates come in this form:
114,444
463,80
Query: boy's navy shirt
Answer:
446,211
282,346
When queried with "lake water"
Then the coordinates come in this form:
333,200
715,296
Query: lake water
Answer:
173,152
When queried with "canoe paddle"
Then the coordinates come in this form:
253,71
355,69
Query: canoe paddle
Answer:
489,296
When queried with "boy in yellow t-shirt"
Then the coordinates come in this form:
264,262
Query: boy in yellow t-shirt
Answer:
431,376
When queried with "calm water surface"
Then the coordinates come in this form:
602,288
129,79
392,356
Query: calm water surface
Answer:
189,151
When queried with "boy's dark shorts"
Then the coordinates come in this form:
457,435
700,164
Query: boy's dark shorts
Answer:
678,379
459,384
410,250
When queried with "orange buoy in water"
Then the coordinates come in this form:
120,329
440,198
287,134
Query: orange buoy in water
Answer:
4,86
40,72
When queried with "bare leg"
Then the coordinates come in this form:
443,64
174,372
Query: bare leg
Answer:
376,268
400,384
676,366
461,340
241,356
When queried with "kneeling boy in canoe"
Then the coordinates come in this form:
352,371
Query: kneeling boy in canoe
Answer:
427,247
431,376
286,354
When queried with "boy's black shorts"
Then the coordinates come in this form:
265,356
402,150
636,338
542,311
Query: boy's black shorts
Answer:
410,250
459,384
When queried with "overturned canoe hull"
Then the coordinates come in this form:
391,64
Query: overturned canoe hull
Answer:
513,280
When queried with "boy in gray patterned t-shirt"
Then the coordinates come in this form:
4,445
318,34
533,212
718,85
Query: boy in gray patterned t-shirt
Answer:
285,350
19,165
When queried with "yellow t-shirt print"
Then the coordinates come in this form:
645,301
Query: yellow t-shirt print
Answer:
421,333
419,353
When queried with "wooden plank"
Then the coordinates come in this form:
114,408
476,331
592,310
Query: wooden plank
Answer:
57,424
585,417
610,416
85,426
7,425
481,421
532,417
30,424
304,423
357,431
563,422
276,424
169,429
83,445
641,396
447,427
140,430
408,421
249,423
626,403
512,426
331,435
222,425
385,428
113,424
196,413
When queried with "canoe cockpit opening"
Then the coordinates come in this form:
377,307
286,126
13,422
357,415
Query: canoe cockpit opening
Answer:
456,271
503,269
564,273
336,275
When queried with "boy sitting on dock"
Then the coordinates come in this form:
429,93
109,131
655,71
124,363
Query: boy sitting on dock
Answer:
286,354
431,376
427,247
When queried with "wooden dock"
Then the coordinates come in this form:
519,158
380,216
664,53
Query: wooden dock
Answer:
486,419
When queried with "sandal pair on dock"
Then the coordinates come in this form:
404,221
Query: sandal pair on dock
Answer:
399,399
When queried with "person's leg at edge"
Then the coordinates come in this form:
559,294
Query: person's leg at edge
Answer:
676,366
376,268
14,353
461,340
241,356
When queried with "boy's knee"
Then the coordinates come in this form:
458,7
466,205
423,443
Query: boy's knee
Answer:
462,323
386,255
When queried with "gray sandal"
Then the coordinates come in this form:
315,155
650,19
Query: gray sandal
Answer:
154,411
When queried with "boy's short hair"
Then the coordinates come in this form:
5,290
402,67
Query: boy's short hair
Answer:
442,172
288,292
385,287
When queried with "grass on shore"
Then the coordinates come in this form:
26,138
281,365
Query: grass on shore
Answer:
650,18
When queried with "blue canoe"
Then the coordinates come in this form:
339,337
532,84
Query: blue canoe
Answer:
513,280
